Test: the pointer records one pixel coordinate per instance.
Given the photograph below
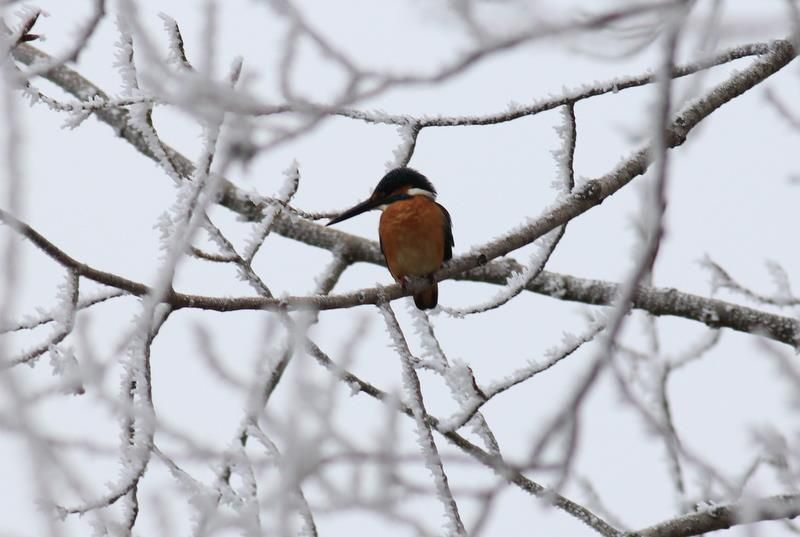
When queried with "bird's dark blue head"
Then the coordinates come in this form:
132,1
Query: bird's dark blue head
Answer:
400,178
397,185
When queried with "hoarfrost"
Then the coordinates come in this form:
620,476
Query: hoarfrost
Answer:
401,154
65,365
518,281
261,230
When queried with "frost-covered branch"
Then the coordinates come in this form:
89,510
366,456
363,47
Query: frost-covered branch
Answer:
177,53
513,40
721,279
72,52
725,516
305,510
566,422
261,231
264,386
138,428
141,109
73,83
33,321
555,355
657,301
565,160
460,380
588,195
65,322
492,461
244,204
433,460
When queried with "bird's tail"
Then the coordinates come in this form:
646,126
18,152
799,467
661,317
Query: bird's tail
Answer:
428,298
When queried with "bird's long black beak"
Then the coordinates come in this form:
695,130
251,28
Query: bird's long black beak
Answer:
362,207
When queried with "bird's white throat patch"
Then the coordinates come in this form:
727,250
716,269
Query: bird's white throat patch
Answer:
420,192
412,192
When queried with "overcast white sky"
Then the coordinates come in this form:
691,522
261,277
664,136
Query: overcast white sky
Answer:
730,197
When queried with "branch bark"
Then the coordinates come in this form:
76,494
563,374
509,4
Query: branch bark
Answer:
726,516
657,301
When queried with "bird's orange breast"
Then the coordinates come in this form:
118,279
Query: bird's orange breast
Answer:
412,237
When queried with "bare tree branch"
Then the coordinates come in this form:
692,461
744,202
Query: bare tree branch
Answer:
240,202
725,516
493,462
657,301
416,404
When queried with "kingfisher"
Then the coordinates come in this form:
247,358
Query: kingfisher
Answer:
416,233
